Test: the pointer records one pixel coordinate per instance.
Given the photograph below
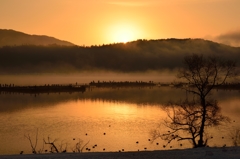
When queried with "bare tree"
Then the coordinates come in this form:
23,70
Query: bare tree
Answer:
79,146
34,144
53,147
63,147
187,120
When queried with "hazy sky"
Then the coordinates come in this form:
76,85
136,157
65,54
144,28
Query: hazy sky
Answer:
89,22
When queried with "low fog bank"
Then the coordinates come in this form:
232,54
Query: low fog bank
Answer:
87,77
231,38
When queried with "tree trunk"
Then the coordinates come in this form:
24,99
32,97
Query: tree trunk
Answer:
201,131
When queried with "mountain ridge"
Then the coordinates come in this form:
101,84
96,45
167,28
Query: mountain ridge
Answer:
9,37
137,56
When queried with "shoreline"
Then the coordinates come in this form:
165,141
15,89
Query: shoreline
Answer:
206,152
43,89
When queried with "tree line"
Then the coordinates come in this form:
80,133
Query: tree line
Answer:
137,56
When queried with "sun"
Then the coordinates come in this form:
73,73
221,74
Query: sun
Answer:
122,33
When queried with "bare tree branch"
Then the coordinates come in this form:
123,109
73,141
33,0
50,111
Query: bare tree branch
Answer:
52,145
33,145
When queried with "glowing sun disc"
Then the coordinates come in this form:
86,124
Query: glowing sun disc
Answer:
122,33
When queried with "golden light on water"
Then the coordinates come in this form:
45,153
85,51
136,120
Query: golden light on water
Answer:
111,124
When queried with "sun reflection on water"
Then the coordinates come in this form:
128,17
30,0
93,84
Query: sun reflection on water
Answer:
110,124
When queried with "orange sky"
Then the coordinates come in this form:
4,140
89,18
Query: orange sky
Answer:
90,22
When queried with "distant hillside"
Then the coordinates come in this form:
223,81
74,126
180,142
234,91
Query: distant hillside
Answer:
15,38
136,56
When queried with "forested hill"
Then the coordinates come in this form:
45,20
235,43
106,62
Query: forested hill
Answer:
136,56
15,38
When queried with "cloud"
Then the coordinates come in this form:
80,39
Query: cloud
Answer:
230,38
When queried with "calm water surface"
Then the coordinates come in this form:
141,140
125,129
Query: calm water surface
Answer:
114,119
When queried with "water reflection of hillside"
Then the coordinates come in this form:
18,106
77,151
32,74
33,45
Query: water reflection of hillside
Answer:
140,96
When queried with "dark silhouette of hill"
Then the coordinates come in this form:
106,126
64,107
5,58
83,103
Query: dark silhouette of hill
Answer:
15,38
136,56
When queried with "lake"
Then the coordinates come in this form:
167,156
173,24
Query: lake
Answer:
108,119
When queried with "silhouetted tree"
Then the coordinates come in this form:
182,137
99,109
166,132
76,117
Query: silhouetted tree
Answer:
53,147
79,146
33,144
187,120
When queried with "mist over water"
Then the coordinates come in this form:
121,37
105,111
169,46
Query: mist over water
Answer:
86,78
